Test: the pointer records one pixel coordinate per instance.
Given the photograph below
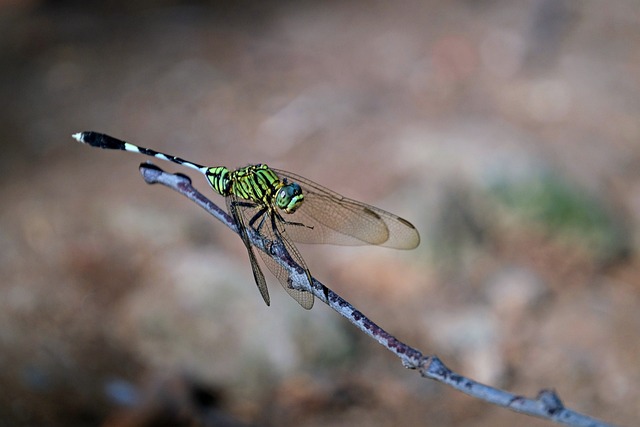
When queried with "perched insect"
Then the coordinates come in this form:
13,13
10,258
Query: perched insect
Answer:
286,208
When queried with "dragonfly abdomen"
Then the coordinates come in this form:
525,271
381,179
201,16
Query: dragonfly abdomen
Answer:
219,179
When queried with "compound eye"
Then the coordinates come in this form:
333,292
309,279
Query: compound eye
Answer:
289,197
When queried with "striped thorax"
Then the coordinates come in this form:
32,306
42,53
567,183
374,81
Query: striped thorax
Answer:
258,184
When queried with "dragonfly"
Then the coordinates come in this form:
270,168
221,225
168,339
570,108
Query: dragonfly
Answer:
285,208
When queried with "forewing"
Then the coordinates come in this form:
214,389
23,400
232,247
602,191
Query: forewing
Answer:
335,219
236,212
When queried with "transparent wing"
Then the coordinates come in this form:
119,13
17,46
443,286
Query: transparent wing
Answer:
335,219
273,229
235,212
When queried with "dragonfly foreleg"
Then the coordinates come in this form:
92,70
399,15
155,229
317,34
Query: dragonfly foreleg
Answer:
260,215
298,224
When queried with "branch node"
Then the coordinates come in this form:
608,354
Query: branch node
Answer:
550,401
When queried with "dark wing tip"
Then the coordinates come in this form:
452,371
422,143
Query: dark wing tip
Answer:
413,237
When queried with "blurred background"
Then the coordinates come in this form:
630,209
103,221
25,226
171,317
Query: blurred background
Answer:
507,132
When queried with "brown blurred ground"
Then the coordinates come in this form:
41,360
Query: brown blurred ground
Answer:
508,132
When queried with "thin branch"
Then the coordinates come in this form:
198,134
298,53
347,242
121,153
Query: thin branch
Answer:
546,404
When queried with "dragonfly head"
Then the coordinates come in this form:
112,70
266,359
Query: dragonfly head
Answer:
289,197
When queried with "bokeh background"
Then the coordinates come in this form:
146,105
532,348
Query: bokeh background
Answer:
507,132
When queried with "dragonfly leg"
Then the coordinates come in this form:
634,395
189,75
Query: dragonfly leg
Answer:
260,215
325,290
298,224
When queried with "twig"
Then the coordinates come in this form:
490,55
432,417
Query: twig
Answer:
546,405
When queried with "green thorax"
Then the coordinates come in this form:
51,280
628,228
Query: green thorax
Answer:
256,183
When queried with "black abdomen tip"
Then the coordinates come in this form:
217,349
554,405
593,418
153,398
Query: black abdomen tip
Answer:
100,140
